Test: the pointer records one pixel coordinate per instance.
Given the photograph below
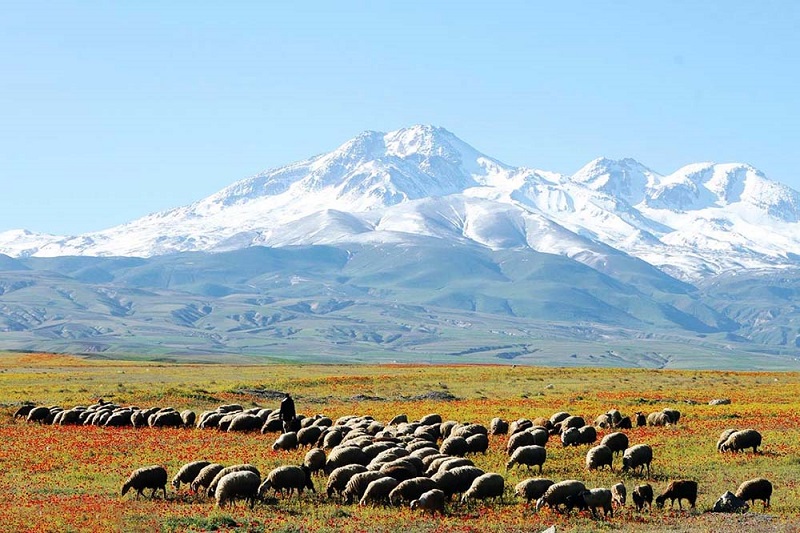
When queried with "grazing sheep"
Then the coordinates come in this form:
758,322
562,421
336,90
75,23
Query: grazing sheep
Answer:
210,421
378,491
741,440
498,426
521,424
679,490
373,450
540,435
624,423
38,414
478,443
446,427
457,480
429,420
587,434
288,478
23,411
555,418
516,440
244,422
338,479
165,419
617,441
723,437
308,436
591,499
619,494
399,470
238,486
604,421
532,488
599,456
227,470
571,422
148,477
204,478
659,418
641,420
399,419
556,495
755,489
570,437
314,460
411,489
642,494
528,456
345,455
287,442
637,457
188,416
357,485
615,415
430,502
489,485
673,414
188,473
456,446
454,462
730,503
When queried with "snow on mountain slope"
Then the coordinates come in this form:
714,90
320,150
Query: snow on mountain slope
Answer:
423,181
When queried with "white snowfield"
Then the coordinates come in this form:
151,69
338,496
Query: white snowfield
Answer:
423,181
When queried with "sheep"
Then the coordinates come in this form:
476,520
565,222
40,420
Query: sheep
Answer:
540,435
210,421
399,419
38,414
244,422
523,438
555,418
723,437
289,478
287,442
446,427
658,418
489,485
599,456
755,489
498,426
453,462
624,423
457,446
528,456
188,473
469,430
591,499
637,457
641,420
604,421
642,494
587,434
188,416
373,450
478,443
741,440
399,470
238,486
673,414
617,442
619,494
615,415
338,479
430,419
519,425
345,455
422,453
204,478
457,480
556,495
23,411
532,488
411,489
430,501
171,419
730,503
227,470
570,437
148,477
308,436
315,460
378,491
678,490
357,485
571,422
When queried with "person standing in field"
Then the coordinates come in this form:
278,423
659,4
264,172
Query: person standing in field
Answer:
287,412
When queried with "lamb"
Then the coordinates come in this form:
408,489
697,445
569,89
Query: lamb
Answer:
458,480
411,489
357,485
338,479
642,494
430,501
532,488
599,456
188,473
592,499
637,457
238,486
345,455
227,470
528,456
616,441
287,442
556,495
498,426
205,477
741,440
289,478
679,490
723,437
148,477
619,494
315,460
659,418
378,491
489,485
641,420
456,446
755,489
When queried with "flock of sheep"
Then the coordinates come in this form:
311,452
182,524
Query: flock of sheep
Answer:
423,464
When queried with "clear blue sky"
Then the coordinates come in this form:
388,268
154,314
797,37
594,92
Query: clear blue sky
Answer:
113,110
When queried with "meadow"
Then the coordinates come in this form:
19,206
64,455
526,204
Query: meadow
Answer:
68,478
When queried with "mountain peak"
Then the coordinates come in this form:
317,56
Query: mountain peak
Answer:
626,179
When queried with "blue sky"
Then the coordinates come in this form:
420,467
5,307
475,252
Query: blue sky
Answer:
110,111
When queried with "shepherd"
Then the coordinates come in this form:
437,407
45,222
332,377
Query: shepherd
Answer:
287,412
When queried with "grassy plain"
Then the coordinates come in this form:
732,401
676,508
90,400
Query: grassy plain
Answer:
68,478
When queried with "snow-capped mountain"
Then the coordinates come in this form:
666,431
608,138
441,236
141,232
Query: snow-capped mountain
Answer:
424,182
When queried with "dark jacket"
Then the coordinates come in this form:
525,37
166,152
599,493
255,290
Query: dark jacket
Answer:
287,409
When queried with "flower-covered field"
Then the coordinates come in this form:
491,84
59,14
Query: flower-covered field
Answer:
68,478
